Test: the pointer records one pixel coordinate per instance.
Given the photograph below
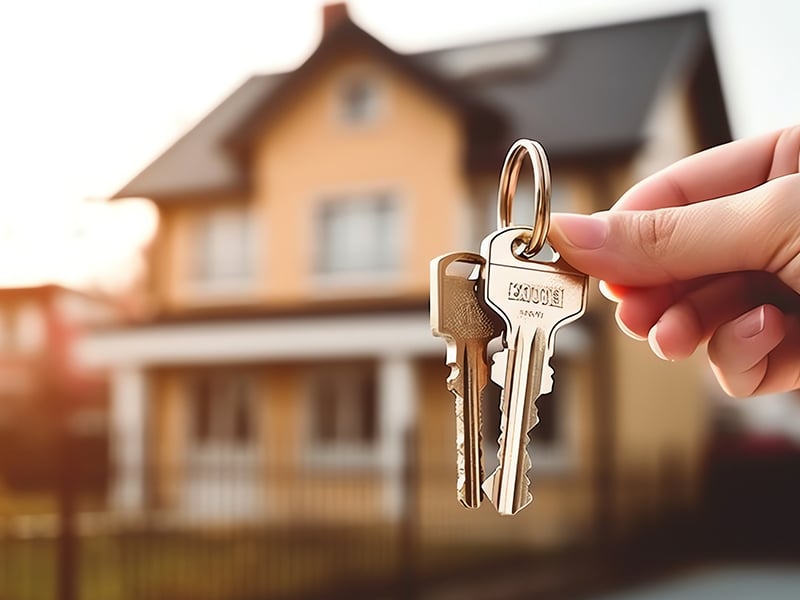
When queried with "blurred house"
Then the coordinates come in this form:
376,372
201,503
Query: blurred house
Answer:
42,388
288,353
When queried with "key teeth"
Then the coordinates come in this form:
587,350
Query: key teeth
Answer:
498,369
467,498
490,488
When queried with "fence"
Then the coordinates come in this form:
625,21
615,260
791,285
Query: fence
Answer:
67,545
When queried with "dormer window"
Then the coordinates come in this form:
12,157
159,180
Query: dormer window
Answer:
359,100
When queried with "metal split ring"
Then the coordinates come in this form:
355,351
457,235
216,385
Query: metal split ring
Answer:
541,192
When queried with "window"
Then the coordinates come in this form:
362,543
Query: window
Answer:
222,410
224,249
358,235
343,407
359,100
30,328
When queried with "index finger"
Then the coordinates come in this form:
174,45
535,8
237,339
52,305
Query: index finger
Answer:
720,171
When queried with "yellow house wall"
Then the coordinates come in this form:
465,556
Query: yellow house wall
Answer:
168,429
174,286
307,154
662,408
413,150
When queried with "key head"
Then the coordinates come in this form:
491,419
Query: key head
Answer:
524,292
456,312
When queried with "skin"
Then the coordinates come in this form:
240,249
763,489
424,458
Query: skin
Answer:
706,250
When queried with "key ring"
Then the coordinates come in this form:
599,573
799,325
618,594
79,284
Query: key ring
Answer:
509,177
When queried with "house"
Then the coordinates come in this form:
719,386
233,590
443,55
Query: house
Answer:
43,388
286,370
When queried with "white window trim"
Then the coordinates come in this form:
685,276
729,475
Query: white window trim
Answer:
201,290
218,450
338,456
379,282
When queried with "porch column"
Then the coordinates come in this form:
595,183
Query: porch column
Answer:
397,394
127,437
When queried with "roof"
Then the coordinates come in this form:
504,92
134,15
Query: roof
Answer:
590,90
199,162
581,93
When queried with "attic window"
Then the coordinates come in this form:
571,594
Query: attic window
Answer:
359,100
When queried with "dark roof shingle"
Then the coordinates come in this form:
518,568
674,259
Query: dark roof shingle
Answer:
581,93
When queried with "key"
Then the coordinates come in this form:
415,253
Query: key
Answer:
534,299
458,315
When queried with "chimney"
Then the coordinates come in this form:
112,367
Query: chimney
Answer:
333,14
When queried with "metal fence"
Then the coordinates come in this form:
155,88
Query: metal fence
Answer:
65,543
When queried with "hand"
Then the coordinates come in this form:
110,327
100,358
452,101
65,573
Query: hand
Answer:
707,249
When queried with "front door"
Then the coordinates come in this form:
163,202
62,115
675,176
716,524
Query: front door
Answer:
223,479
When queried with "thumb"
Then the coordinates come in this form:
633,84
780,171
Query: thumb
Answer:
754,230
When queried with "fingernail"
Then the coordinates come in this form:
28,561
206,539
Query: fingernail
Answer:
651,339
586,232
625,328
606,291
750,324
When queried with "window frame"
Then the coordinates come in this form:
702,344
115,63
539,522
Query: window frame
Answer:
373,83
202,282
395,226
221,428
342,453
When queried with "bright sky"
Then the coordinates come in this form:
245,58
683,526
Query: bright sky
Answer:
93,90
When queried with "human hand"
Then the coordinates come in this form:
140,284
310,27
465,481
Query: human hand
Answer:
707,249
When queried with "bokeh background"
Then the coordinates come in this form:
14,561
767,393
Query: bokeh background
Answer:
217,378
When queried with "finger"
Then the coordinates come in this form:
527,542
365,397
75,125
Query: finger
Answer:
783,366
738,351
712,300
695,309
786,158
720,171
640,308
755,230
691,320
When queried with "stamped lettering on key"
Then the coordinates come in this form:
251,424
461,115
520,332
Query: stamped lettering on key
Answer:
534,299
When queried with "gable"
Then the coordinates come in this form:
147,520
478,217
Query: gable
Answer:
348,40
587,97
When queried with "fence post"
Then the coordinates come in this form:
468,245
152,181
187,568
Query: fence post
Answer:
409,521
67,552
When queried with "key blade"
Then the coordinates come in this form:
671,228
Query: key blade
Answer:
469,442
508,487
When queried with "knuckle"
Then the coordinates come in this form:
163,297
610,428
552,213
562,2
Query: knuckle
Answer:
776,212
654,232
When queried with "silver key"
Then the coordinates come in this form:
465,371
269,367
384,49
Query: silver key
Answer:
534,299
458,315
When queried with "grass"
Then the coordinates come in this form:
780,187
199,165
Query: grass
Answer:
199,566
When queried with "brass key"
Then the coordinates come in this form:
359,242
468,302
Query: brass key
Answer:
458,315
534,296
534,300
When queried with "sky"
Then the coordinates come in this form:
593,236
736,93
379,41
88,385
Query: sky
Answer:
91,91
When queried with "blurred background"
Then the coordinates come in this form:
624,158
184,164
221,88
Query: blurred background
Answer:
217,379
